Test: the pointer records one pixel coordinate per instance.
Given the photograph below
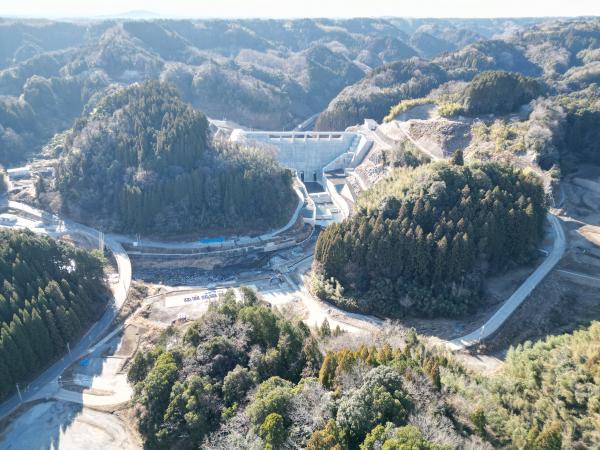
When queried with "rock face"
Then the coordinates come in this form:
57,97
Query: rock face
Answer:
441,135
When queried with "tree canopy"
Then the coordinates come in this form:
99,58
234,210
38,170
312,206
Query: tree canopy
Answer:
185,392
143,161
422,240
49,293
499,92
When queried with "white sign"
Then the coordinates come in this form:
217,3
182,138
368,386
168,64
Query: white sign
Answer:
189,298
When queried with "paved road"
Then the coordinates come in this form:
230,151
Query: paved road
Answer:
513,302
43,385
198,244
519,296
317,310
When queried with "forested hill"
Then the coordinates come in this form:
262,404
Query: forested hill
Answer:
563,53
499,92
422,240
49,293
268,74
244,377
374,95
185,392
143,161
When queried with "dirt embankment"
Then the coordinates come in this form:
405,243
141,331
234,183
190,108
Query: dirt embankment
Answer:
443,134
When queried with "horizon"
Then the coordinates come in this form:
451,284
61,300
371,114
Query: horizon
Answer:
149,16
310,9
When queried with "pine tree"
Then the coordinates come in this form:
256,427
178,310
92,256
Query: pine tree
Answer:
327,372
17,331
14,357
40,336
58,343
457,158
6,379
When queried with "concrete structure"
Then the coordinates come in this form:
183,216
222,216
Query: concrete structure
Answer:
18,173
308,153
314,157
371,124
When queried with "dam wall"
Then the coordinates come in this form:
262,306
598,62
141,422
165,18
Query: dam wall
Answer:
308,153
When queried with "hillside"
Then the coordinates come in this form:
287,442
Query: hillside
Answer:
429,45
268,382
220,359
143,161
545,397
563,53
556,46
269,74
499,93
385,50
51,292
268,97
374,95
423,239
578,133
487,55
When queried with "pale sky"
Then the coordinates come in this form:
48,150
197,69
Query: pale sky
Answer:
302,8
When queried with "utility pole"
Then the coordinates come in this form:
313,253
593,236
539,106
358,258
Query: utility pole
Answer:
19,392
101,240
69,348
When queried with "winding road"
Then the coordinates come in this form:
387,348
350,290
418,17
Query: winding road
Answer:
360,323
519,296
45,384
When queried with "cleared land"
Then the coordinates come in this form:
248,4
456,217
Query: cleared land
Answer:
66,425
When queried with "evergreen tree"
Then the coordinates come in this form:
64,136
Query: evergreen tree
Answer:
457,158
17,331
165,174
434,228
31,335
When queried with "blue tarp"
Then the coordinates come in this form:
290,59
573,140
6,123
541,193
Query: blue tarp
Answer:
84,362
216,240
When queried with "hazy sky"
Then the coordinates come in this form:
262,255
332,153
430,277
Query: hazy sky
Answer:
303,8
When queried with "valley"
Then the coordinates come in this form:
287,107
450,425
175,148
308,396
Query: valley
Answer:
311,233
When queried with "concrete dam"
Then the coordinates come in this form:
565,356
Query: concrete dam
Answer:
309,154
317,158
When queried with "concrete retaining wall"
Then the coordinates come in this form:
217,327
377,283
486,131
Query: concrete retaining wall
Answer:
363,147
337,199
